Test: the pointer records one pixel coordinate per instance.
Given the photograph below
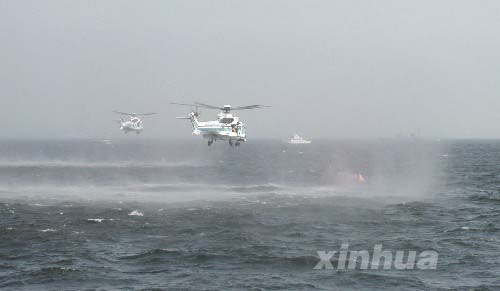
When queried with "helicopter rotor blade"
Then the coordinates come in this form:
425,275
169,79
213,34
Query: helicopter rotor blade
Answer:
197,104
250,107
207,106
203,105
183,104
122,113
189,105
136,114
145,114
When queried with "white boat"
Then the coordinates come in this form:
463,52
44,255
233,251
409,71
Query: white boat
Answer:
296,139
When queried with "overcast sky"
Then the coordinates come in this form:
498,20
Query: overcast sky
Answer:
329,68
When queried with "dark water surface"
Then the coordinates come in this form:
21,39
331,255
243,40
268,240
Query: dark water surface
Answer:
141,214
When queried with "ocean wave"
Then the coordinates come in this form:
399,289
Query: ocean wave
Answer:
94,165
490,228
53,270
255,188
149,253
486,197
6,267
296,261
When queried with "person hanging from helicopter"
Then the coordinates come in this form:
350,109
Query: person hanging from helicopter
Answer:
237,127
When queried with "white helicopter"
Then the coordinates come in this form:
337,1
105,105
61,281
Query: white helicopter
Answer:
227,126
134,123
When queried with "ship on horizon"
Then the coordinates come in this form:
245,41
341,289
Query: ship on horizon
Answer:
296,139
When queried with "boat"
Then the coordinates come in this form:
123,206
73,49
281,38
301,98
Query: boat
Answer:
296,139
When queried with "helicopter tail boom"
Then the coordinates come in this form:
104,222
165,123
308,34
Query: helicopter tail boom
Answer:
194,122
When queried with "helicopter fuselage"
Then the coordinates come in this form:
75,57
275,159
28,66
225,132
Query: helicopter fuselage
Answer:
220,129
227,126
134,123
128,126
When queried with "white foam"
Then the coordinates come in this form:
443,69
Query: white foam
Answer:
136,213
39,205
100,220
47,230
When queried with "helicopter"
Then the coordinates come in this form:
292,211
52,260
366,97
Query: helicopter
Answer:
227,127
134,123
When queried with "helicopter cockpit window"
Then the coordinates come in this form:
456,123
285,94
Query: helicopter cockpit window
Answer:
227,120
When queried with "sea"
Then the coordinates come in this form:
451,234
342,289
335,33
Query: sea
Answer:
145,214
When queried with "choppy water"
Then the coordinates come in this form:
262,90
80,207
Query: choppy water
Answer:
143,214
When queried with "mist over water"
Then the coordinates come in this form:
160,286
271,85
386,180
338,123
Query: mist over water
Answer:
175,170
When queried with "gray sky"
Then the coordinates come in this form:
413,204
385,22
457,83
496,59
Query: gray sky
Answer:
328,68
